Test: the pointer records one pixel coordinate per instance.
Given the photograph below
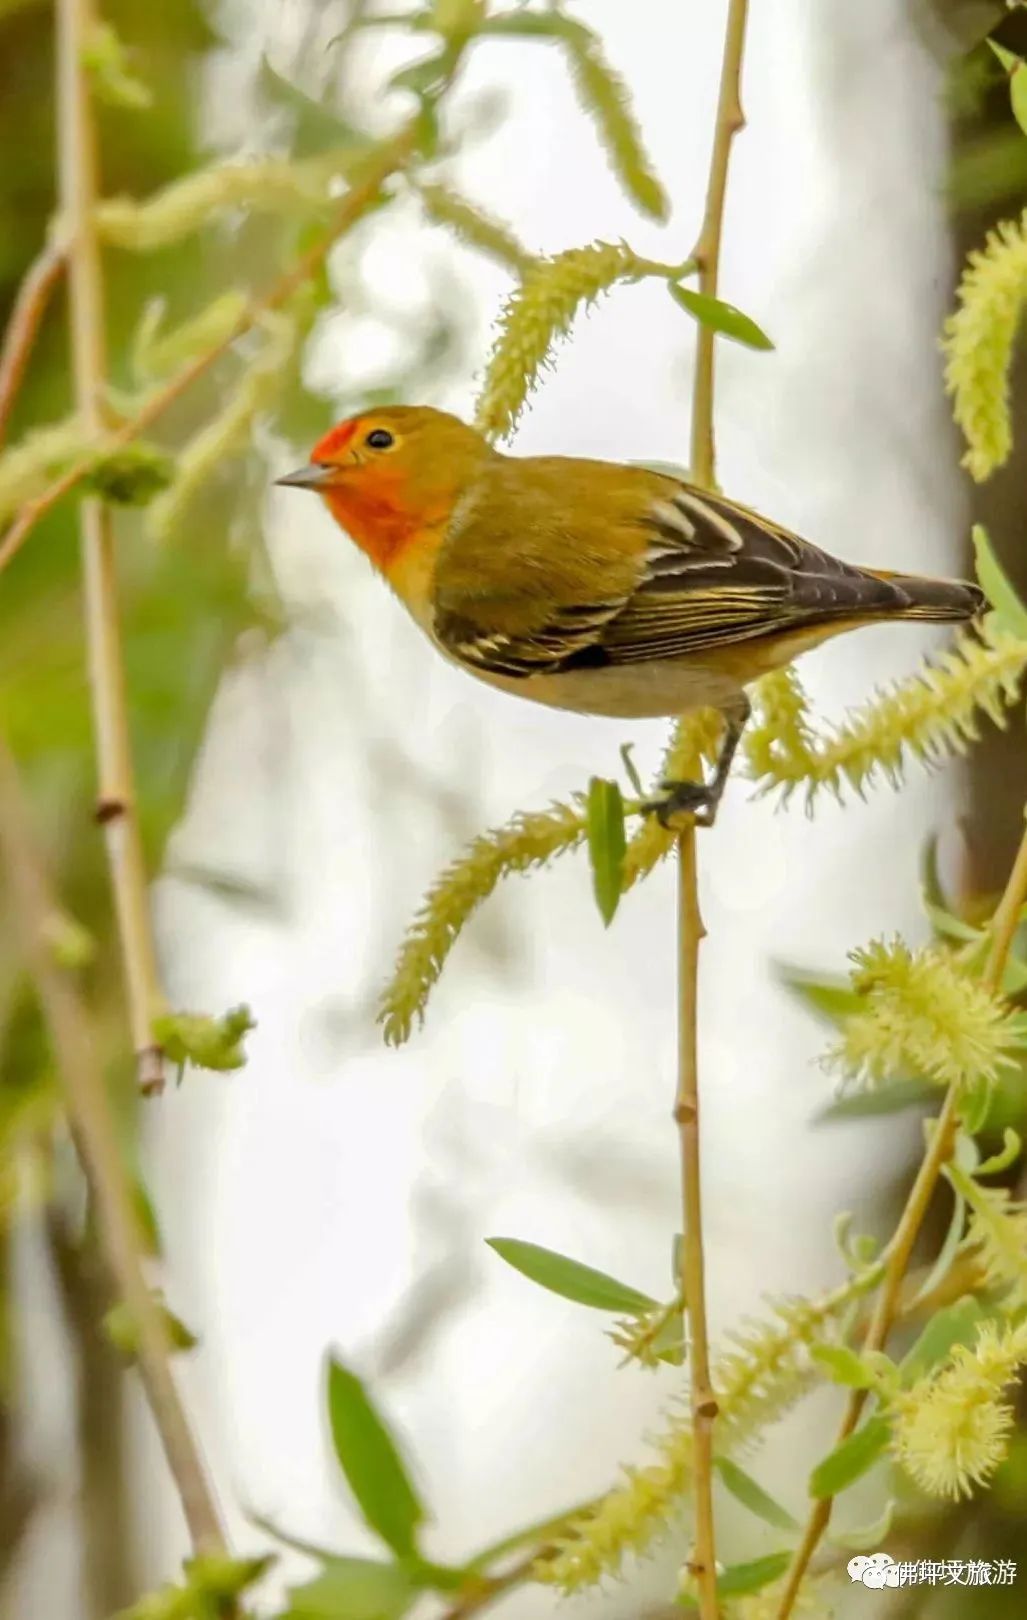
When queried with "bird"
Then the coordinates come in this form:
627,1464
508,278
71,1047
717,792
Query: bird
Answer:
599,587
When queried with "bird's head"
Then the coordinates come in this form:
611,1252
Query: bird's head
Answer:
393,475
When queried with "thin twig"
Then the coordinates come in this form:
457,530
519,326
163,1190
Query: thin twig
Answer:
116,809
358,199
30,306
939,1150
703,1403
482,1591
703,1562
96,1139
706,253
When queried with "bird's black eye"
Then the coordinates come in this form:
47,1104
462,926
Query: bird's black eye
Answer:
379,439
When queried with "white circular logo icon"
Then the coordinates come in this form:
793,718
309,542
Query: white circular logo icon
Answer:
874,1569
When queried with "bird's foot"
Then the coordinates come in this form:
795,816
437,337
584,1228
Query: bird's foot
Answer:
678,801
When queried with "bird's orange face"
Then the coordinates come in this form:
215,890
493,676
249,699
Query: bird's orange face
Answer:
391,477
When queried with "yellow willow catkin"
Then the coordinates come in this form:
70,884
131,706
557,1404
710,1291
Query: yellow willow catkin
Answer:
27,467
158,354
217,440
476,228
922,1013
760,1377
952,1427
695,738
978,343
538,312
933,714
271,185
529,840
779,744
603,94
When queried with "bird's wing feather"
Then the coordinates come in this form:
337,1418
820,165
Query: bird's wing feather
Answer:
685,572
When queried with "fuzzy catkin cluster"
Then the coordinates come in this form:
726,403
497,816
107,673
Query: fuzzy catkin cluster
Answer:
952,1426
530,840
538,312
934,714
978,343
924,1015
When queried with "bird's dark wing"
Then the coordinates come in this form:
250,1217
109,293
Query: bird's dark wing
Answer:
717,573
689,571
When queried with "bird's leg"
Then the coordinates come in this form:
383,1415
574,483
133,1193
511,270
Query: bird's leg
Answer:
701,800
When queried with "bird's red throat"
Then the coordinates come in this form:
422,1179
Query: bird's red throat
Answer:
377,520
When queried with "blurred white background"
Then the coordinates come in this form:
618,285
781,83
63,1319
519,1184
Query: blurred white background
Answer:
339,1194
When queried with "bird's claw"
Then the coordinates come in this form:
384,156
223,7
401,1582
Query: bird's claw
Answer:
678,800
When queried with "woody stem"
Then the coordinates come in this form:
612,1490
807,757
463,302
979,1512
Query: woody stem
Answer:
116,809
703,1402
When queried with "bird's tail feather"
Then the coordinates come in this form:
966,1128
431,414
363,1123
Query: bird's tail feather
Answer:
933,600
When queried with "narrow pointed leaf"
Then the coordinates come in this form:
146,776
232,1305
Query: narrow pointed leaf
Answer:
1007,58
832,999
851,1459
844,1366
996,584
371,1462
865,1537
888,1099
738,1579
956,1324
606,844
570,1279
1018,95
718,316
353,1589
751,1494
1012,1147
947,1253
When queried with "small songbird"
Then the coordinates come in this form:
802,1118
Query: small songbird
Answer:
593,586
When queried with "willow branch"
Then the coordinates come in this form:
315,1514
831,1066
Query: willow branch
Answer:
706,253
703,1403
357,201
26,317
703,1562
939,1150
481,1592
116,810
96,1140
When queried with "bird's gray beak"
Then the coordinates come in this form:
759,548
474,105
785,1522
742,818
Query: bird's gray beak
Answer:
312,477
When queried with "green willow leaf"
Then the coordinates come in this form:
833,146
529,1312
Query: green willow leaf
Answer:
751,1494
956,1324
885,1100
371,1462
847,1462
718,316
738,1579
1018,95
606,844
948,1251
996,584
845,1366
865,1537
570,1279
353,1589
832,998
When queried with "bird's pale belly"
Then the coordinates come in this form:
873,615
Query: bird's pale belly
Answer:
662,687
631,692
